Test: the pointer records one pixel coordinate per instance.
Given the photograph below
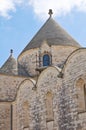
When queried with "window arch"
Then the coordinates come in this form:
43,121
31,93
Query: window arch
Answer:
26,115
81,94
49,107
46,60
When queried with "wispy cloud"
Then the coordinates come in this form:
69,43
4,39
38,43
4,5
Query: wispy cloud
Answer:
40,7
60,7
6,6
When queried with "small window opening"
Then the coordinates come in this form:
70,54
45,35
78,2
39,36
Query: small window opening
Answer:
81,94
49,107
46,60
85,94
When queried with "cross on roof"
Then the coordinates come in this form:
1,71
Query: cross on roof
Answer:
11,51
50,12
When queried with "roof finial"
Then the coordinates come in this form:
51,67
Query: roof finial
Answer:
50,12
11,52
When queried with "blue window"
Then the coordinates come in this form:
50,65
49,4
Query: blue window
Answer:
46,60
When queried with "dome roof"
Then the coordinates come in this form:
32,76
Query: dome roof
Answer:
10,66
53,34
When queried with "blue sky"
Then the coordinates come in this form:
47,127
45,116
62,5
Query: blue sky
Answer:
21,19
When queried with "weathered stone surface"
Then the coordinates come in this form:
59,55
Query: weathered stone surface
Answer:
9,86
29,60
5,116
48,97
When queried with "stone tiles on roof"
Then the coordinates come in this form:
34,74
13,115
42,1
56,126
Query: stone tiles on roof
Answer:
54,34
10,66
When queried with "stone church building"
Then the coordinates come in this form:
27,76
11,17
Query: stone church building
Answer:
45,88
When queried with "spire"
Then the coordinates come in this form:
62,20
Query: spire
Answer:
10,66
11,52
50,12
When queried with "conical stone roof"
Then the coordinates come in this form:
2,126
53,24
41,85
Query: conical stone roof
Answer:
54,34
10,66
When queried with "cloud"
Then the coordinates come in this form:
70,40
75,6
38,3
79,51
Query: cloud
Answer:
59,7
7,6
41,7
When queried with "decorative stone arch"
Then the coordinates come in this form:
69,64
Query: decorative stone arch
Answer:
21,85
52,69
48,87
74,53
24,101
75,65
81,94
49,80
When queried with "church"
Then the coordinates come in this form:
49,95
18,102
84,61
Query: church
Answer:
45,87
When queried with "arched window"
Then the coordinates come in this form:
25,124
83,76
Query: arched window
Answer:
81,94
26,115
46,60
49,106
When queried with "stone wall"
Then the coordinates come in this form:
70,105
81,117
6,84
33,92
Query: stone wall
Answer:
5,116
29,60
9,86
75,68
24,102
32,98
8,91
25,105
49,82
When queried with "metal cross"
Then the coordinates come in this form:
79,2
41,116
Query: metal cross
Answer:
50,12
